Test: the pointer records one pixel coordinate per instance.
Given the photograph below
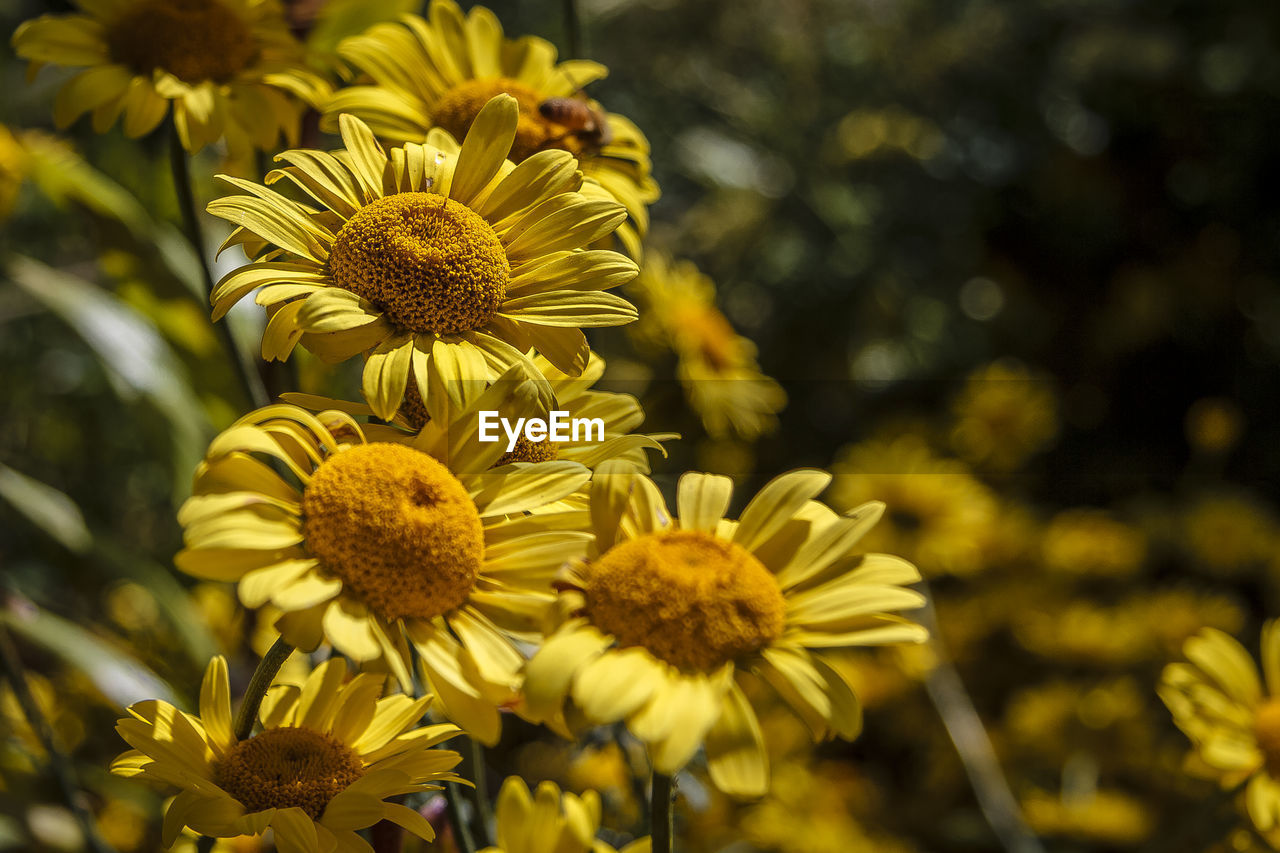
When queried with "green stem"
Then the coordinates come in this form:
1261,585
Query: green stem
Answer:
248,374
461,832
258,684
661,814
59,761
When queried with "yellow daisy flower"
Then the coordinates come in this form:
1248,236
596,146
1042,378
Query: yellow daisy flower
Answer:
717,367
446,262
1231,716
547,821
384,545
229,68
328,758
440,72
659,623
942,517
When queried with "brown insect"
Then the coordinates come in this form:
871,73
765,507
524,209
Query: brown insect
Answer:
581,119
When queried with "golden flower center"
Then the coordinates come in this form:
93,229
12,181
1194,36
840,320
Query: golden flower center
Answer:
687,597
1266,728
396,527
430,263
530,451
458,108
194,40
288,767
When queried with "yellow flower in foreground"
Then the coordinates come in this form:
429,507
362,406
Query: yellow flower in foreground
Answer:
717,366
440,72
1219,702
230,68
445,262
327,760
940,515
381,545
546,822
656,626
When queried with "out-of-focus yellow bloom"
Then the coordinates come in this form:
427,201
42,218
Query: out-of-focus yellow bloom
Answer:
807,811
1214,425
326,763
13,170
864,133
1230,533
550,821
1005,414
1147,627
439,72
717,367
939,516
1231,715
670,610
122,824
217,603
606,770
1100,815
230,69
1089,541
59,709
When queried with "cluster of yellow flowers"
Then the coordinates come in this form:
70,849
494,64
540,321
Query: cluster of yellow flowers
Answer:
459,242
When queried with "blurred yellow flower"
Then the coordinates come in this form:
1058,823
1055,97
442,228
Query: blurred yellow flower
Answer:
13,171
327,761
550,822
446,263
230,69
1231,716
807,811
1147,626
716,366
1100,815
1005,414
939,516
382,545
439,72
1230,533
658,623
1087,541
1214,425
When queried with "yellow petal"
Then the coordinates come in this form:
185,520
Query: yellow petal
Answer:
702,500
486,146
736,756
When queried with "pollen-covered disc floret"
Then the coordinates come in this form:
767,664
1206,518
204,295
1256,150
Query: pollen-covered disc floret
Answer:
194,40
397,527
691,599
290,767
529,451
430,263
459,106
